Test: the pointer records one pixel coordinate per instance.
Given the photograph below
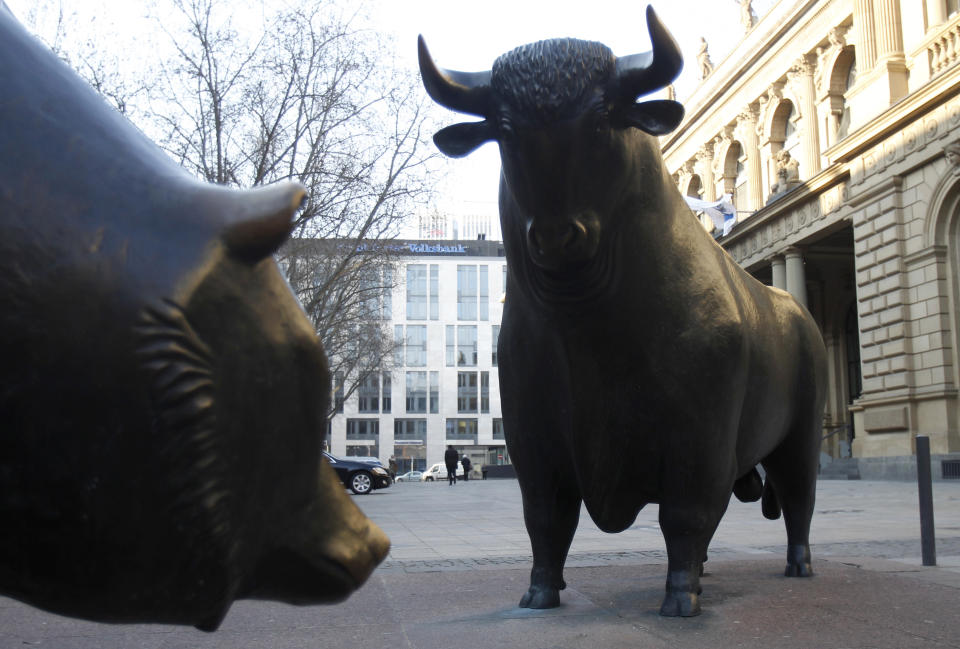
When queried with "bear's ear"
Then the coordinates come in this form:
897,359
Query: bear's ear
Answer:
461,139
657,117
261,220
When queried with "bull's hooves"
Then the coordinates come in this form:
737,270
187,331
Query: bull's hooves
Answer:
679,604
540,598
798,570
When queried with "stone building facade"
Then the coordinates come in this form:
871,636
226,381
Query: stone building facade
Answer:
835,125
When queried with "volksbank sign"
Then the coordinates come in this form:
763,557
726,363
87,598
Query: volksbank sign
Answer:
417,248
430,249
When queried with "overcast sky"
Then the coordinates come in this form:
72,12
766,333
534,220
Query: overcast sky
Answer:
470,35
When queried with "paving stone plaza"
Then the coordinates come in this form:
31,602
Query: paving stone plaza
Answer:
460,561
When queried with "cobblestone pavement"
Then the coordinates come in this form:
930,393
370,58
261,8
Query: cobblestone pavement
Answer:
460,560
478,525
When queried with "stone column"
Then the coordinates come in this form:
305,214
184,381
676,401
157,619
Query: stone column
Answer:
936,13
718,145
705,163
801,75
796,278
866,42
747,126
890,54
888,28
779,272
686,173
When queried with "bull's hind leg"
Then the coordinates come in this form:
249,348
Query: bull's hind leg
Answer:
551,514
792,472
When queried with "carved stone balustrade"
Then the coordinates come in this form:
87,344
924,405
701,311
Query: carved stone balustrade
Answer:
944,48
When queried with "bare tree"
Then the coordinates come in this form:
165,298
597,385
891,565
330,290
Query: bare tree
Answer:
254,93
74,39
308,97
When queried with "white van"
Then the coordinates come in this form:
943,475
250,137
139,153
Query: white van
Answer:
439,472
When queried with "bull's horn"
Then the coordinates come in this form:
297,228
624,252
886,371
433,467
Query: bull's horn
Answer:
260,219
465,92
639,74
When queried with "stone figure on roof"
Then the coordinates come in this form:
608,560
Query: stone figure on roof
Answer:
703,59
788,174
747,17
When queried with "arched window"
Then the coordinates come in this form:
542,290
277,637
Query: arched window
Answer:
783,136
791,139
695,187
851,75
740,183
843,78
734,174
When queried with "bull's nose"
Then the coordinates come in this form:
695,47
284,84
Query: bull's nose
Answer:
568,241
550,240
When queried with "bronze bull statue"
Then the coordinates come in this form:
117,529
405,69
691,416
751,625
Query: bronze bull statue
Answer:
162,394
638,362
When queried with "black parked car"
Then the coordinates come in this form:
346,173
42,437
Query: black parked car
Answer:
360,476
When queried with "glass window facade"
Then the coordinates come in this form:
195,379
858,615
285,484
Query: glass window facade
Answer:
368,393
484,290
462,430
434,292
416,343
417,392
485,392
410,429
497,428
466,292
387,302
398,345
467,346
494,341
451,335
387,392
363,450
417,292
467,392
362,429
338,392
434,392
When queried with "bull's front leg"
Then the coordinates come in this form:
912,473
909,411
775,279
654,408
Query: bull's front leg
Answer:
551,512
687,531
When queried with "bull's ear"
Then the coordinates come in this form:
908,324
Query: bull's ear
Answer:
657,117
460,139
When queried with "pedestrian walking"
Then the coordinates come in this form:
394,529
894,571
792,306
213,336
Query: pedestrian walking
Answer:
450,458
467,465
393,467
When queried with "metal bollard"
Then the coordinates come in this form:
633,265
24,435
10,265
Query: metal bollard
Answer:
928,541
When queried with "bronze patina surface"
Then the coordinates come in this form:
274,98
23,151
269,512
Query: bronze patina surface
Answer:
162,394
638,362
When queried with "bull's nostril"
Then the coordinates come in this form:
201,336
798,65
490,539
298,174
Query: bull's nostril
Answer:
533,238
575,233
